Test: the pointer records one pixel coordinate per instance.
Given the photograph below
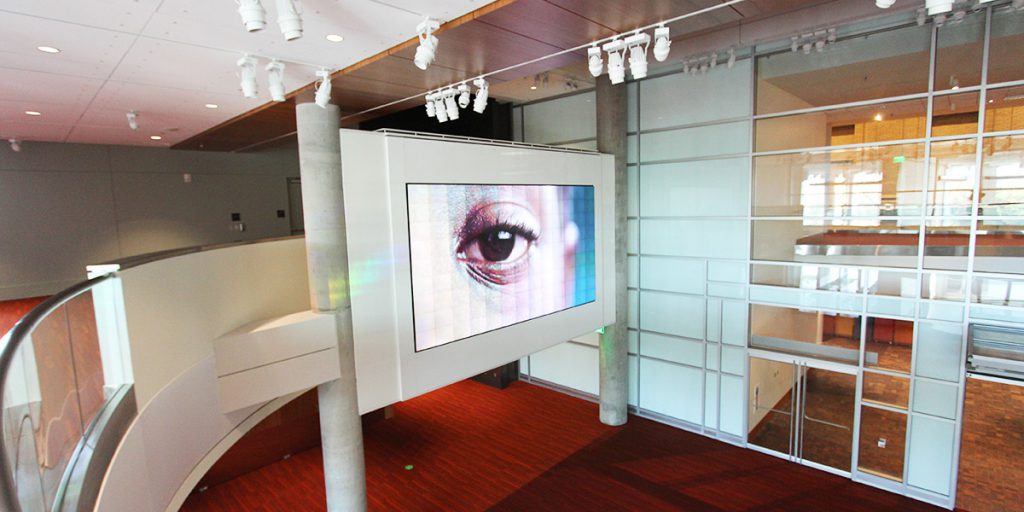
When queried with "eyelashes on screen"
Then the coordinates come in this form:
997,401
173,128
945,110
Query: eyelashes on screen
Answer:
496,251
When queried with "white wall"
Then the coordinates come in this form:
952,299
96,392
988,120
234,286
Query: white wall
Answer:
64,206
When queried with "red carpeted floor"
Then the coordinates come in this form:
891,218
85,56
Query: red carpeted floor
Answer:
472,447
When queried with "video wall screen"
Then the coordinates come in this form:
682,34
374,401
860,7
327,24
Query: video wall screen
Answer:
485,257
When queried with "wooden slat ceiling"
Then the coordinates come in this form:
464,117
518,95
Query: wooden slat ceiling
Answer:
501,34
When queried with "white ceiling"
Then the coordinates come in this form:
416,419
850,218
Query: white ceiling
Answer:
166,59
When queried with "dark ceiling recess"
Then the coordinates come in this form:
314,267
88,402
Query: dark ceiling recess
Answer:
494,123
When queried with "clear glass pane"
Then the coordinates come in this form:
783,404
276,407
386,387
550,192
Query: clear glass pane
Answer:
771,404
958,56
888,344
891,283
999,246
1007,38
845,71
855,125
1004,110
955,114
808,277
816,334
1002,175
945,244
828,411
883,436
941,286
876,242
951,177
997,291
886,389
21,418
85,346
872,182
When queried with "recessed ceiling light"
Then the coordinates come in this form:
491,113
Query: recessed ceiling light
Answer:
48,49
533,87
878,116
33,113
334,38
210,105
155,137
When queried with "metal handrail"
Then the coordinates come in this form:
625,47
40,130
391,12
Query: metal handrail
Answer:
18,334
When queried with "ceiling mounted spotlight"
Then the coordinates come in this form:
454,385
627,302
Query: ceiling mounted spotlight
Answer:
938,6
133,119
323,91
884,4
637,45
794,43
15,145
275,80
430,105
662,43
594,62
427,49
616,66
450,105
463,96
439,110
480,101
254,17
247,73
732,58
289,19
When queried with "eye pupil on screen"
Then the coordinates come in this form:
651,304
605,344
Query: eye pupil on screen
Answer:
497,244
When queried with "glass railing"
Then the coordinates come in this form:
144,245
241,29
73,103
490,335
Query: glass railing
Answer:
53,388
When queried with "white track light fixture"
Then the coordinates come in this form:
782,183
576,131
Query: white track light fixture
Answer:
594,61
275,80
254,17
133,119
463,96
289,20
938,6
427,49
430,105
439,109
15,145
247,72
637,45
884,4
480,101
616,66
450,105
662,43
323,91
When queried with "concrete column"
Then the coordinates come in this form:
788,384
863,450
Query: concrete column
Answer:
613,352
323,206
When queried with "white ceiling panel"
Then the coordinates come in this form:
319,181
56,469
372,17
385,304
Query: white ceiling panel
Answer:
85,51
84,134
120,15
34,129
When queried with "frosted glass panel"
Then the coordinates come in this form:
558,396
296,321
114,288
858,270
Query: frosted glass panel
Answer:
936,398
733,360
714,330
732,405
632,314
711,356
931,454
723,94
734,323
727,291
728,271
633,271
678,350
634,376
711,400
672,314
698,188
524,366
726,239
672,275
939,351
631,107
634,341
633,189
559,120
719,139
672,390
569,364
632,236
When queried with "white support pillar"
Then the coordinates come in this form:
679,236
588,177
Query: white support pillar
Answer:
323,205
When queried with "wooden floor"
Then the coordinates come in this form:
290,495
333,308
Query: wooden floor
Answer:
471,447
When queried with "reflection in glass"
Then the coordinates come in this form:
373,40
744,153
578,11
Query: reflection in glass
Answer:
808,277
997,291
941,286
826,435
891,283
854,125
871,182
951,177
945,244
882,444
833,337
955,114
888,344
876,242
849,70
999,246
1007,38
1002,175
771,404
1004,110
886,389
958,55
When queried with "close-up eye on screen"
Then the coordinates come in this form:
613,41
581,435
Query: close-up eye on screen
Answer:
485,257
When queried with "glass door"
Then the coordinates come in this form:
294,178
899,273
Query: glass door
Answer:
803,409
